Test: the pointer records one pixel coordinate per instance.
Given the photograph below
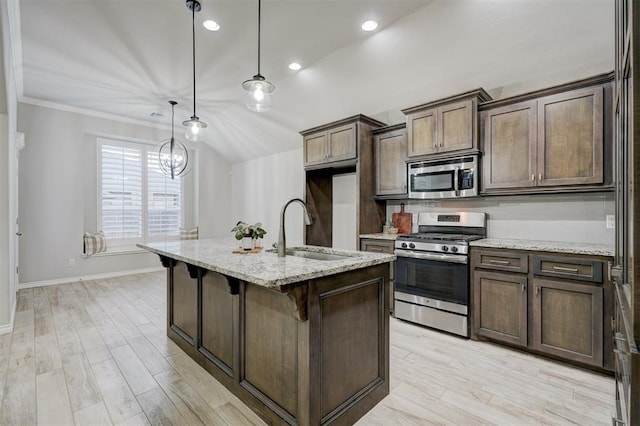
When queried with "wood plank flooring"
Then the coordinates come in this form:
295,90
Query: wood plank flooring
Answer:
96,353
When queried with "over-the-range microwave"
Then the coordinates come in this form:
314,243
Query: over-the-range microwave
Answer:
448,178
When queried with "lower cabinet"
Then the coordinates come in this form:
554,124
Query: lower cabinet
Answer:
501,306
568,320
557,305
377,245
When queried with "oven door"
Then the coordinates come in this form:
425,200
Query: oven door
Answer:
433,276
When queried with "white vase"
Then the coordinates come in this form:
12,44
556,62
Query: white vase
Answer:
247,243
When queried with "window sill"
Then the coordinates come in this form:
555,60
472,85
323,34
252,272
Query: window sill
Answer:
117,251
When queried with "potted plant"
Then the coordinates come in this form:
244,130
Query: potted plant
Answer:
248,234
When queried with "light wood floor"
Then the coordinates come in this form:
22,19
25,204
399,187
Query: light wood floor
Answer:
95,352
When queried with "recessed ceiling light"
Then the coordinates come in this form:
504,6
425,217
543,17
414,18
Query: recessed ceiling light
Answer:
157,114
211,25
294,66
369,25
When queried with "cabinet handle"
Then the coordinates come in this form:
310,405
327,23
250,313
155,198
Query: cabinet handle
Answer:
499,262
565,270
524,287
375,249
533,177
404,186
539,176
537,290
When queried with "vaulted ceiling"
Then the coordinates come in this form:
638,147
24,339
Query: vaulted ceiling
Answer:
128,58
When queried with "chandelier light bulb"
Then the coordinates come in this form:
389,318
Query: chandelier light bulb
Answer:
258,94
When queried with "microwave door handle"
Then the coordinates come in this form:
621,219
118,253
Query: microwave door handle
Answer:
456,185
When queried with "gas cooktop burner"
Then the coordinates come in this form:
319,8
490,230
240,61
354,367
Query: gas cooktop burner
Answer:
423,236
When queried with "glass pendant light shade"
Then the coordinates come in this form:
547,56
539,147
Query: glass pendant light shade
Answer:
173,157
259,96
193,127
259,93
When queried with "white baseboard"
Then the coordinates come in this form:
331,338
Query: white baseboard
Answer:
8,328
58,281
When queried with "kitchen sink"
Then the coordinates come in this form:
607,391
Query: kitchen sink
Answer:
316,255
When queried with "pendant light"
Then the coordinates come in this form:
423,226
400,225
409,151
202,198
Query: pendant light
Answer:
173,156
194,125
259,96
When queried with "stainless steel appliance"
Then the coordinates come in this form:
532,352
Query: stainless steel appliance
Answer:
432,270
452,178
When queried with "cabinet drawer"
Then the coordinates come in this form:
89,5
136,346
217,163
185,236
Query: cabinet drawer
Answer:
501,260
569,267
377,246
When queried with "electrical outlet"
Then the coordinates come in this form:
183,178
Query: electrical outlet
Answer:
611,221
72,262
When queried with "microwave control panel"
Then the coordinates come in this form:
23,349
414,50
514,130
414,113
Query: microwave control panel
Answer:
465,179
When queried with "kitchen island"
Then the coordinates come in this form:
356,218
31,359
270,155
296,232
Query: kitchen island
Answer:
301,339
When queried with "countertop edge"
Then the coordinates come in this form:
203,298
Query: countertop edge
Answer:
593,249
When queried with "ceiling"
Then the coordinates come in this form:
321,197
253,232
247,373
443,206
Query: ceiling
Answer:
129,58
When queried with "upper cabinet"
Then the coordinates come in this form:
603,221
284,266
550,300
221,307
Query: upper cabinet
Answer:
335,142
390,147
437,129
554,140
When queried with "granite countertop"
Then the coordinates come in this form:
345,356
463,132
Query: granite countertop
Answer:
264,268
593,249
380,236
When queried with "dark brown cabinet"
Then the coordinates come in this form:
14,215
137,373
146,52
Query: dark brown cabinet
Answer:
349,144
551,304
567,320
390,146
382,246
335,144
446,126
546,142
501,306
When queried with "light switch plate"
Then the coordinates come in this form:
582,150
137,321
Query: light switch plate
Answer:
611,221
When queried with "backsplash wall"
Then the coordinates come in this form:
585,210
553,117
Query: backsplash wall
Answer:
559,217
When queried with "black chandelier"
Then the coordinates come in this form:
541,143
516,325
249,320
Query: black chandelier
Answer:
173,156
194,125
259,96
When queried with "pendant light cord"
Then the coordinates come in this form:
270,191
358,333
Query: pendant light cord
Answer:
259,8
193,33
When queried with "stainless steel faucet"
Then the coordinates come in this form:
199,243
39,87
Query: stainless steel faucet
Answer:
282,245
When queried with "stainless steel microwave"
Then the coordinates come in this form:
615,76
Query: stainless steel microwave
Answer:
449,178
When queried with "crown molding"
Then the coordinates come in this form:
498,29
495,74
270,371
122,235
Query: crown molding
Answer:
91,113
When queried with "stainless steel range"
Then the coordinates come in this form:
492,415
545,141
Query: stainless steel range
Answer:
432,270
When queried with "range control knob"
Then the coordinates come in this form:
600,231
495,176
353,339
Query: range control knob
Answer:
454,249
411,245
404,245
445,248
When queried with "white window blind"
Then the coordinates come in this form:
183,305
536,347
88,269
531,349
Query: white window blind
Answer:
164,197
137,201
121,192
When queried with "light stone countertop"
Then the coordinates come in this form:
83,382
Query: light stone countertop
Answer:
264,268
380,236
593,249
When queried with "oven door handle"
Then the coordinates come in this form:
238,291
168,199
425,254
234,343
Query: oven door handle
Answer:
451,258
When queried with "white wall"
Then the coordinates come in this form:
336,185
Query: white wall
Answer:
260,188
58,193
6,298
563,217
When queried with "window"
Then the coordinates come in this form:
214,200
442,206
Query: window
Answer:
137,202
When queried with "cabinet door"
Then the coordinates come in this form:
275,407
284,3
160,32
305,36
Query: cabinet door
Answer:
570,138
509,159
500,306
183,303
567,320
382,246
315,148
391,168
455,126
342,143
421,133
